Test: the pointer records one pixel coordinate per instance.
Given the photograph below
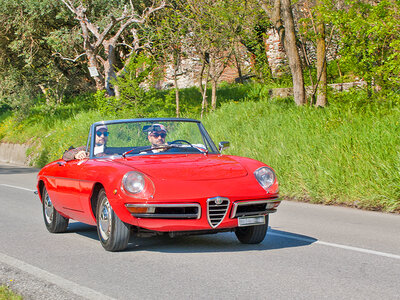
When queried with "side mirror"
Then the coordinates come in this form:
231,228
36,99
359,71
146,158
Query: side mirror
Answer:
223,145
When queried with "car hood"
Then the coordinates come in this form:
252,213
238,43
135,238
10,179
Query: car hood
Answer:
187,167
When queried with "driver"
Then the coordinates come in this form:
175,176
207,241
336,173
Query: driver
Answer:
99,147
156,136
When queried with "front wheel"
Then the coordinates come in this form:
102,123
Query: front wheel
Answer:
113,233
55,223
252,234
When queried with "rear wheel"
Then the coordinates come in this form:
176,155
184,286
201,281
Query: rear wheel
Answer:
113,233
55,223
252,234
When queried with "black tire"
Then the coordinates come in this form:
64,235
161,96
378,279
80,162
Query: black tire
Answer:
55,223
252,234
113,233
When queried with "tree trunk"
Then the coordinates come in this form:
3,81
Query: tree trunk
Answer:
238,67
92,62
292,53
204,102
89,49
203,66
277,21
45,93
321,65
176,94
213,94
214,78
109,67
177,60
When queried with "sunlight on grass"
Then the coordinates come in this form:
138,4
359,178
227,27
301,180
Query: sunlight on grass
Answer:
7,294
319,155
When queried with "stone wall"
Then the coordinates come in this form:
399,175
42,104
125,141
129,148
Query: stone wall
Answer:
339,87
276,55
190,68
13,153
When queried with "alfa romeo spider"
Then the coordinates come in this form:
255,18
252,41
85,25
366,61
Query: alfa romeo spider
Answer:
158,176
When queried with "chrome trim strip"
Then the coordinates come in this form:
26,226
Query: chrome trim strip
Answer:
178,205
256,213
236,204
165,216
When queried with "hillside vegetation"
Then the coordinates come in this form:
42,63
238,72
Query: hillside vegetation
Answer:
337,155
347,153
66,64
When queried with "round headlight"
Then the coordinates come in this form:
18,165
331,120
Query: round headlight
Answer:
133,182
265,177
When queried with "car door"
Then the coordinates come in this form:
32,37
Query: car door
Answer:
67,191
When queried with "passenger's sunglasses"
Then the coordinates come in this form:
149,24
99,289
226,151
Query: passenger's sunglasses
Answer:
156,135
99,133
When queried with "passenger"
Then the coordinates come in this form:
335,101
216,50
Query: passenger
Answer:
100,145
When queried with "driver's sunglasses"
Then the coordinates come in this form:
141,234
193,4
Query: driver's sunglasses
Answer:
99,133
156,135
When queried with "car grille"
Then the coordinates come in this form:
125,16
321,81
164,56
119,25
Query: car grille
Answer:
217,208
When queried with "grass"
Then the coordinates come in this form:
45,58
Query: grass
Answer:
328,156
345,154
7,294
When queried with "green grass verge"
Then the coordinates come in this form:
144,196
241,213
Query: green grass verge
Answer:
346,154
329,156
7,294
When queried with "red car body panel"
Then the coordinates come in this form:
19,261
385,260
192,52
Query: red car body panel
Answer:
177,178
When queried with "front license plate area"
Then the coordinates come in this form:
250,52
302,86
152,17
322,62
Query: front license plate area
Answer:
251,221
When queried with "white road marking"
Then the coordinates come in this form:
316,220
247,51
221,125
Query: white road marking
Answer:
17,187
335,245
70,286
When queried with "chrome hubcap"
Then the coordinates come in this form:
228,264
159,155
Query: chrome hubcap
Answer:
48,209
105,219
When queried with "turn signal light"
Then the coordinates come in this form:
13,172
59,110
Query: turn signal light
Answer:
276,204
141,209
272,205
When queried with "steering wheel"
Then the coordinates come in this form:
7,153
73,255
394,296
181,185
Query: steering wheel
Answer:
180,142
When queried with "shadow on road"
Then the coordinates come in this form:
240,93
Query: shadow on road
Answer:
221,242
8,170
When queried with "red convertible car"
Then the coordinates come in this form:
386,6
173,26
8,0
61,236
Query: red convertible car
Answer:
157,176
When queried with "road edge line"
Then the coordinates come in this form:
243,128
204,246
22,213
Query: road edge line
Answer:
63,283
312,241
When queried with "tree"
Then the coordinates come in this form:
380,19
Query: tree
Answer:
312,28
282,18
212,41
370,41
216,29
27,66
168,48
321,60
101,39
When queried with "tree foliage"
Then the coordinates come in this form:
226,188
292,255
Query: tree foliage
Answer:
27,66
370,40
111,34
47,45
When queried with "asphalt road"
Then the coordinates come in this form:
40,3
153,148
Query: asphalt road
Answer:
311,252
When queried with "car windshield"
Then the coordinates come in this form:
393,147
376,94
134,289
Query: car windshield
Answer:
149,137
